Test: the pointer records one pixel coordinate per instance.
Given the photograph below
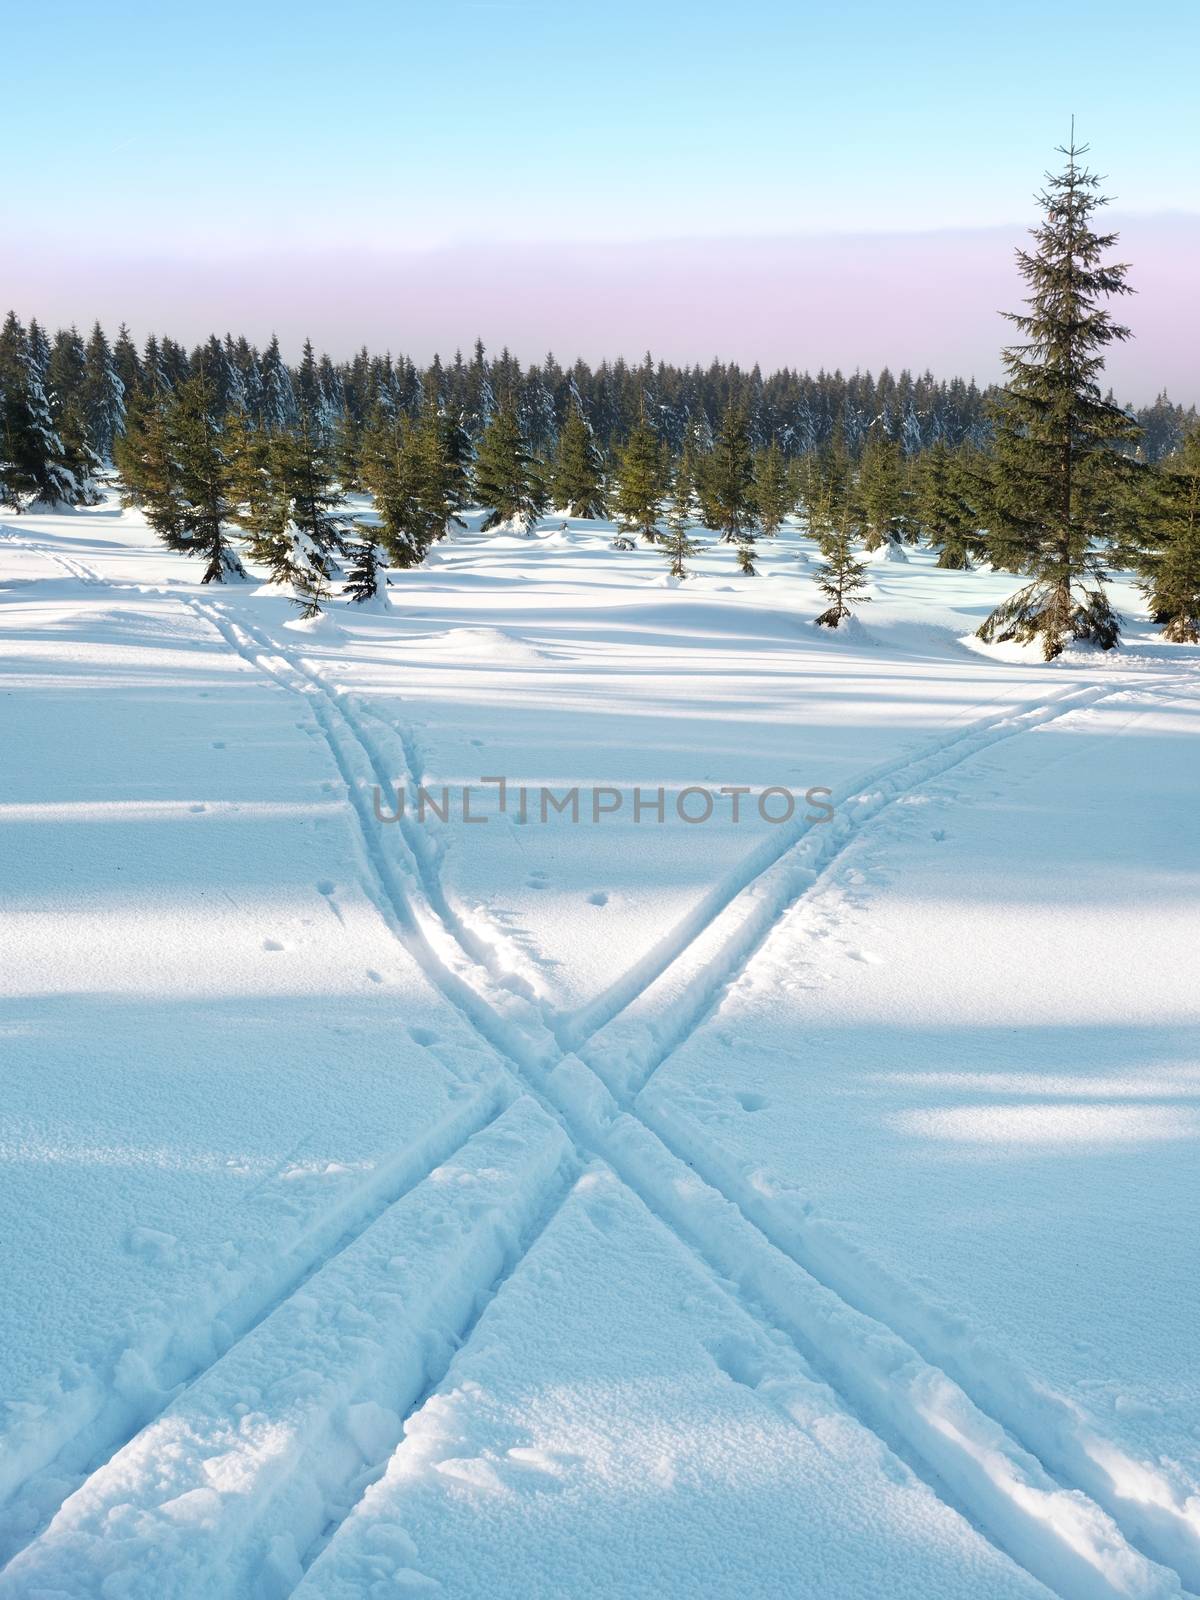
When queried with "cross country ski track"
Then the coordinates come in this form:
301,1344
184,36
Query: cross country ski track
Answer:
710,1219
971,1438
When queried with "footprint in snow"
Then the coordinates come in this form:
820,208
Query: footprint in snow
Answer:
424,1036
599,898
198,807
271,944
326,886
218,744
373,975
752,1102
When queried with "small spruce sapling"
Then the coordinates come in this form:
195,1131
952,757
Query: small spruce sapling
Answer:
678,546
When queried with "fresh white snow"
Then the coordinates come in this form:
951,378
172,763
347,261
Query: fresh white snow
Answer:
613,1206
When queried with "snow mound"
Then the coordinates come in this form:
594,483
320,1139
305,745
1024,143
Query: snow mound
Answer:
322,623
483,644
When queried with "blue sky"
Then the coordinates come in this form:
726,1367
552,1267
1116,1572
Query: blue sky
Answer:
265,132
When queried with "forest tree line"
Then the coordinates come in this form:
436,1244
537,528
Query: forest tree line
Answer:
229,450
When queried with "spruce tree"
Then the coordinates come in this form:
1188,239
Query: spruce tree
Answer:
145,462
438,468
841,577
881,491
66,384
827,491
1057,474
640,482
33,464
277,396
365,582
103,395
456,460
943,515
396,471
774,488
127,366
1170,561
39,349
347,453
260,507
308,383
457,456
678,546
382,474
199,518
727,474
507,478
577,476
304,472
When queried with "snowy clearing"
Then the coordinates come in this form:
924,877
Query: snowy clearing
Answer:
620,1206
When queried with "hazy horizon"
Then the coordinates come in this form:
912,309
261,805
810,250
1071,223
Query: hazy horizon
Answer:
786,183
780,302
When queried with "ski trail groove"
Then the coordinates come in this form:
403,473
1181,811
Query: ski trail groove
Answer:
499,953
250,1468
497,1009
1155,1513
72,568
766,882
1059,1535
46,1478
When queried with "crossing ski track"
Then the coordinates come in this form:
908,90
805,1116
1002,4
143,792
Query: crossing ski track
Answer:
1075,1544
418,1279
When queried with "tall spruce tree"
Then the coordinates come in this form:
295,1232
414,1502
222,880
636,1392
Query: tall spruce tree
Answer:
508,480
455,458
438,466
774,488
257,494
305,471
201,517
277,395
127,365
33,463
103,395
944,516
1057,474
1170,561
577,476
146,466
401,470
347,453
727,475
640,484
66,385
881,490
386,473
825,486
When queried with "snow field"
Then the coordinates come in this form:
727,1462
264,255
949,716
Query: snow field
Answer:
972,1472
